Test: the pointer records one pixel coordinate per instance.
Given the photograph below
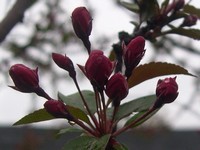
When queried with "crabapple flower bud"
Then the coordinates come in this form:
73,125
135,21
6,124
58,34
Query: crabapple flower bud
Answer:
25,79
133,53
117,88
82,24
166,91
65,63
179,4
57,109
98,69
189,21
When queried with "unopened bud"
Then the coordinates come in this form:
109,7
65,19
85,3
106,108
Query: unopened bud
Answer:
190,21
166,91
179,4
25,79
65,63
133,53
98,69
57,109
117,88
82,24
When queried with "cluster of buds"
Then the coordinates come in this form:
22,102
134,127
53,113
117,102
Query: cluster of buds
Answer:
163,15
175,6
99,71
27,80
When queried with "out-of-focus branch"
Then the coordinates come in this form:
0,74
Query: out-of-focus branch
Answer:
14,16
185,47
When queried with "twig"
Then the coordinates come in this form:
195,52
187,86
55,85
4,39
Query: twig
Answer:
14,16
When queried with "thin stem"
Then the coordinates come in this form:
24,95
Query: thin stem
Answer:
101,121
40,92
81,124
97,104
86,106
133,123
87,44
108,103
113,116
104,110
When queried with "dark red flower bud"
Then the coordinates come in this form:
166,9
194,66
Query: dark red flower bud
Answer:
133,53
98,69
25,79
190,21
179,4
82,24
57,109
117,88
166,91
65,63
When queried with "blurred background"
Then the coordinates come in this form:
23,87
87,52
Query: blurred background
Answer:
46,27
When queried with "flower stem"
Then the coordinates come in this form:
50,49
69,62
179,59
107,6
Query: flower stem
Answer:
86,106
134,122
104,110
40,92
98,106
81,124
113,124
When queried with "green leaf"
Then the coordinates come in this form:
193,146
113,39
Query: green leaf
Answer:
130,6
75,100
152,70
191,10
139,114
67,130
78,113
36,116
191,33
137,105
43,115
87,143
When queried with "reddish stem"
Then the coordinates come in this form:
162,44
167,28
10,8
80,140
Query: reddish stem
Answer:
98,106
134,122
86,106
100,111
104,111
81,124
113,124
